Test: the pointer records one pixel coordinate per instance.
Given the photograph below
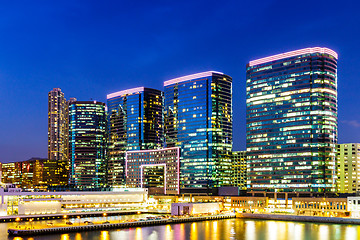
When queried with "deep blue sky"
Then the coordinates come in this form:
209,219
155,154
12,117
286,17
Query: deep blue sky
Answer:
92,48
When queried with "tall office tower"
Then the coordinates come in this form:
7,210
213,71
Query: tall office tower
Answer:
239,175
198,119
87,144
291,121
56,167
135,120
348,168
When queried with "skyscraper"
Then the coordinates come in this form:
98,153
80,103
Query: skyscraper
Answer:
56,167
291,121
87,144
348,168
198,119
135,123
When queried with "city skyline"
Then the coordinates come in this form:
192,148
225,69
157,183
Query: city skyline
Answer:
88,65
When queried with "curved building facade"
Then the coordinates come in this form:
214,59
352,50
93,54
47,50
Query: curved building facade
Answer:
291,121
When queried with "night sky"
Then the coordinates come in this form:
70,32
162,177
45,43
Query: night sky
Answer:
93,48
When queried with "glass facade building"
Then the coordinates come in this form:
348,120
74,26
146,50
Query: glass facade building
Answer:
135,122
87,144
198,119
291,121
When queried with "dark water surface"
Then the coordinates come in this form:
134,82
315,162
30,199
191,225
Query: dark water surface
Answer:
217,230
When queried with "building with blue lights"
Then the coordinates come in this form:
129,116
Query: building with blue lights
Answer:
291,121
135,122
198,119
87,144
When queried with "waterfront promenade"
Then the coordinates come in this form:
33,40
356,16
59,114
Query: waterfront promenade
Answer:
299,218
13,218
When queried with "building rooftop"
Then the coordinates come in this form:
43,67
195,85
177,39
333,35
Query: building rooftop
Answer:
125,92
293,54
190,77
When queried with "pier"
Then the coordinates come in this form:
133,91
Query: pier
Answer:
103,226
38,217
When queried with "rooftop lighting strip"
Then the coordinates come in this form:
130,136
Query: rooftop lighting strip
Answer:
190,77
125,92
293,54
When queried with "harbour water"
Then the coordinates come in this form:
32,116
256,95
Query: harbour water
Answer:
221,229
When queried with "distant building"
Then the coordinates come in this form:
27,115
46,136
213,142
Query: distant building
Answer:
57,166
11,173
157,170
291,121
135,120
239,169
87,144
348,168
198,119
25,174
179,209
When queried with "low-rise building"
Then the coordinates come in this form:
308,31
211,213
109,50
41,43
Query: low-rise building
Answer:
256,204
354,206
328,207
14,202
157,170
25,174
195,208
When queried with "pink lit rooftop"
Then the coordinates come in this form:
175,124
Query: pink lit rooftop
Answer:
190,77
125,92
293,54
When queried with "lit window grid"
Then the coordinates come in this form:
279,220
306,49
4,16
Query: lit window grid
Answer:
239,169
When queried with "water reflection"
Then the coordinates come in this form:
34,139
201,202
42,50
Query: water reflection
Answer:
104,235
65,237
194,232
78,236
250,230
323,232
138,235
215,230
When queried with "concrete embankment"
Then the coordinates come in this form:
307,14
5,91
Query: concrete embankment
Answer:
296,218
73,228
